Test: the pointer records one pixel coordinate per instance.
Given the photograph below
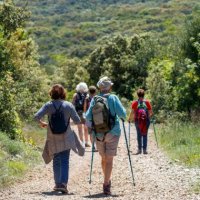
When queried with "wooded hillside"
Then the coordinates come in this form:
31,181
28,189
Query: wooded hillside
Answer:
75,28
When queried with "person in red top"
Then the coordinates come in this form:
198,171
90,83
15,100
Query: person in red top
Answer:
141,111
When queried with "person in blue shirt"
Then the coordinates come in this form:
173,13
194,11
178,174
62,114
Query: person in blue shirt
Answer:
107,147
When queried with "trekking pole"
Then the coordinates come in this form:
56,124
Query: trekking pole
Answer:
92,159
128,152
153,122
129,134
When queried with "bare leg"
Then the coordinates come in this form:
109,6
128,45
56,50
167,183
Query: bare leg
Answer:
91,138
80,132
103,164
86,133
108,169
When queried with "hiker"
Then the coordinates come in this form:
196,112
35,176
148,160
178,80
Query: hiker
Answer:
78,102
141,111
106,142
60,137
88,99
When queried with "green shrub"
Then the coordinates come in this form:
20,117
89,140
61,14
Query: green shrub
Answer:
15,158
10,122
181,140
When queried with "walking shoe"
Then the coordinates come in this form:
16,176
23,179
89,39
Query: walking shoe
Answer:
145,151
106,189
55,187
138,152
61,188
87,145
94,149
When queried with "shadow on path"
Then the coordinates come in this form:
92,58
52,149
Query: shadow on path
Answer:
55,193
99,195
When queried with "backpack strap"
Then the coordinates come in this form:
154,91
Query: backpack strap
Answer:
57,109
78,96
147,111
141,101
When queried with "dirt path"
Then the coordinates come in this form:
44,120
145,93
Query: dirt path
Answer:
156,178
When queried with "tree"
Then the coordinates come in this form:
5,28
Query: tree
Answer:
12,17
186,72
23,85
124,60
9,118
70,73
159,86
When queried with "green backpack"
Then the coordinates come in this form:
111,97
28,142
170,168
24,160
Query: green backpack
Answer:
102,119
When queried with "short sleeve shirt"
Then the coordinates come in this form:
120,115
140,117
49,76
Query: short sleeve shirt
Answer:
134,106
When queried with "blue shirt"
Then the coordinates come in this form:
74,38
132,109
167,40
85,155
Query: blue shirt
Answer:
116,108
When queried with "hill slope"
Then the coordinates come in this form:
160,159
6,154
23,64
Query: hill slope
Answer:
74,28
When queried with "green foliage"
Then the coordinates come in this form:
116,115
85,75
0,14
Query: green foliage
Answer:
70,73
88,21
22,82
160,86
186,72
125,60
15,159
181,141
9,118
12,17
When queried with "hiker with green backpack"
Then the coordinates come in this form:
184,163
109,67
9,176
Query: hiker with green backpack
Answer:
105,112
141,111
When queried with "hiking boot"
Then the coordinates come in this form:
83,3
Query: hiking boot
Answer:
61,188
106,189
138,152
87,145
145,151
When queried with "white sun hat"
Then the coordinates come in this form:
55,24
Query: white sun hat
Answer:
104,83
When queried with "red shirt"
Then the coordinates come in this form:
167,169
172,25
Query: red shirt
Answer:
134,106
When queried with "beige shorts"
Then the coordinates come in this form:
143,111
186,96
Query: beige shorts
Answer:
108,146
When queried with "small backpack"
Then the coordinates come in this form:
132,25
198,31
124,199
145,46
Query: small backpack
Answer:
79,101
142,117
102,119
57,121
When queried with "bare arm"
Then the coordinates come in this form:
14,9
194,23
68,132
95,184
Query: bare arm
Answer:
74,99
131,116
150,113
85,106
39,115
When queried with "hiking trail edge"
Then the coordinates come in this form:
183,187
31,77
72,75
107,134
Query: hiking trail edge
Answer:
156,177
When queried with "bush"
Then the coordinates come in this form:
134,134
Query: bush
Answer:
10,122
15,158
181,141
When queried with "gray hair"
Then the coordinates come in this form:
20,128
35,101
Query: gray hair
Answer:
82,87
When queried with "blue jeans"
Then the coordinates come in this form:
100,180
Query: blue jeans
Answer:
142,139
61,167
